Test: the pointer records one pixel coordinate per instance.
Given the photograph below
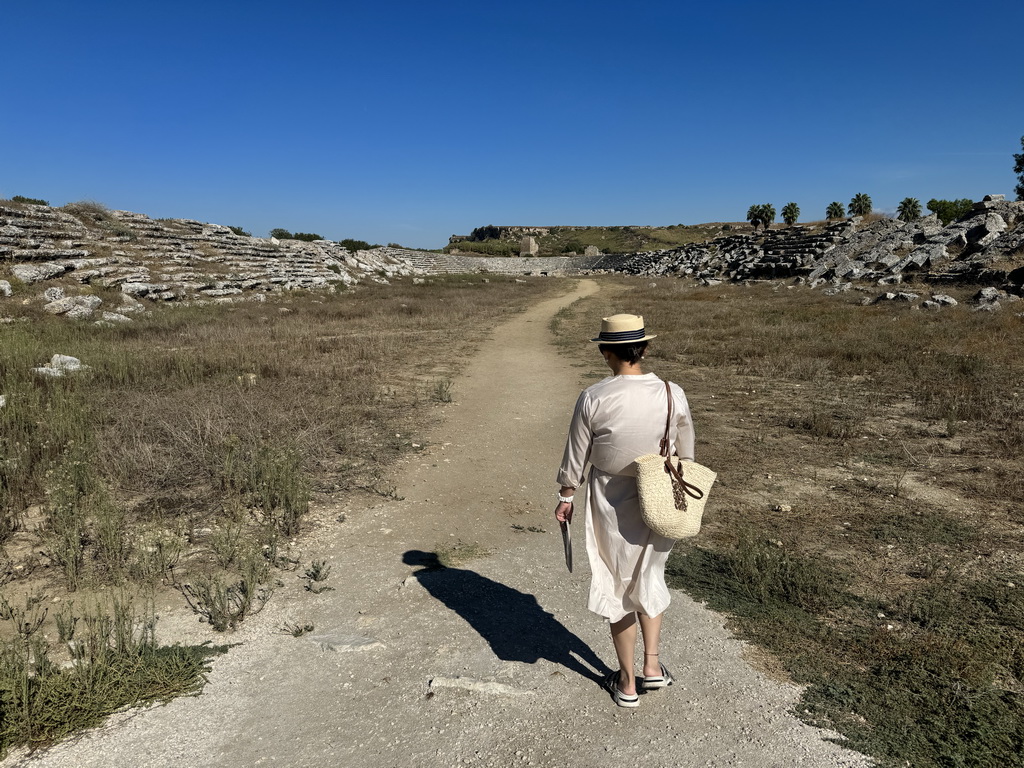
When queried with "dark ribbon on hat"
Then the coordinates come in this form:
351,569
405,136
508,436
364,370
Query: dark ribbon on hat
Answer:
622,335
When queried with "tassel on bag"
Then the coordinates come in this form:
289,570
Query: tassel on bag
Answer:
672,495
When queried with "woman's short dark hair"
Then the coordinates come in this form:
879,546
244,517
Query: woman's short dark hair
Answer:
627,353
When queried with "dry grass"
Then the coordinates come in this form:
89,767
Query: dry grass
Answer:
190,452
892,584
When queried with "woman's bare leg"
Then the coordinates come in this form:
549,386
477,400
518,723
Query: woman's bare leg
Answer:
624,640
650,626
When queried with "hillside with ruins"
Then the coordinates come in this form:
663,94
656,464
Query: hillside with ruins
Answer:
84,261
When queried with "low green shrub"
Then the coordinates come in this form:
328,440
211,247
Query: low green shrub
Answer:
29,200
115,662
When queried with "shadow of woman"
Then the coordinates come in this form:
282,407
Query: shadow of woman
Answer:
512,622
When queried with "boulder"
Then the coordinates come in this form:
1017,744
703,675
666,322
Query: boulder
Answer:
944,300
5,288
53,294
987,295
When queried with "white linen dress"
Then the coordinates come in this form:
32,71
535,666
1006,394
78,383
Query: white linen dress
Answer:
616,420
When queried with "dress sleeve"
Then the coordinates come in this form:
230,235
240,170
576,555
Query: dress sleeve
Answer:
684,431
577,445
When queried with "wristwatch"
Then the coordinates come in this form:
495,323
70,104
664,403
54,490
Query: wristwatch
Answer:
565,499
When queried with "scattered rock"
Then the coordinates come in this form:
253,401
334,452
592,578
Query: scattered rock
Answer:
5,288
74,306
60,365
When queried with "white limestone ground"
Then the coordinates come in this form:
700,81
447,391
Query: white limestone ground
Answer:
488,664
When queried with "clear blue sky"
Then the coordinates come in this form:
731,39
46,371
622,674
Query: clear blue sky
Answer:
410,121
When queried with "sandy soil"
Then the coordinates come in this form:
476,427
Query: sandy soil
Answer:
492,663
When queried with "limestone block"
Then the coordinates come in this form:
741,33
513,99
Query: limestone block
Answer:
34,273
60,365
987,294
944,300
143,289
115,317
987,230
53,294
60,306
5,288
78,312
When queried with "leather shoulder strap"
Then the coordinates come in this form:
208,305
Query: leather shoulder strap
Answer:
665,448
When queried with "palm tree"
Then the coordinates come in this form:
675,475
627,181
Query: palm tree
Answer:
790,213
908,209
835,211
767,215
860,205
754,215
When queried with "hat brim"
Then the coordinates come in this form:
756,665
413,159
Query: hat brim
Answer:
599,340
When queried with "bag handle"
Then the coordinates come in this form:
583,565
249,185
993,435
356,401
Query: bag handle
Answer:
690,489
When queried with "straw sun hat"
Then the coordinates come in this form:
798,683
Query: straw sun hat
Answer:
622,329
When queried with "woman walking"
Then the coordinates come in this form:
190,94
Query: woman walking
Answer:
615,421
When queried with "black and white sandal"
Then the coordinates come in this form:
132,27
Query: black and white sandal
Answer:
611,684
664,680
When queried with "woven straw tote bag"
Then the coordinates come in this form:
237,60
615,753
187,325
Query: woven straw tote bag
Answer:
672,492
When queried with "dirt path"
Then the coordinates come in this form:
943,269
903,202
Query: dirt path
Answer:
491,663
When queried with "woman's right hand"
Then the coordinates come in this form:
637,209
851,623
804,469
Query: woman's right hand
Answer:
563,512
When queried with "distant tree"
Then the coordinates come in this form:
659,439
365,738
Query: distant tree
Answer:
950,210
281,234
835,211
860,205
490,232
1018,168
761,214
308,237
240,232
354,245
908,209
36,200
573,246
790,213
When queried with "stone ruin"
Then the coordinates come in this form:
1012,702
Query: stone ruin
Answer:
175,260
528,246
184,261
984,247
